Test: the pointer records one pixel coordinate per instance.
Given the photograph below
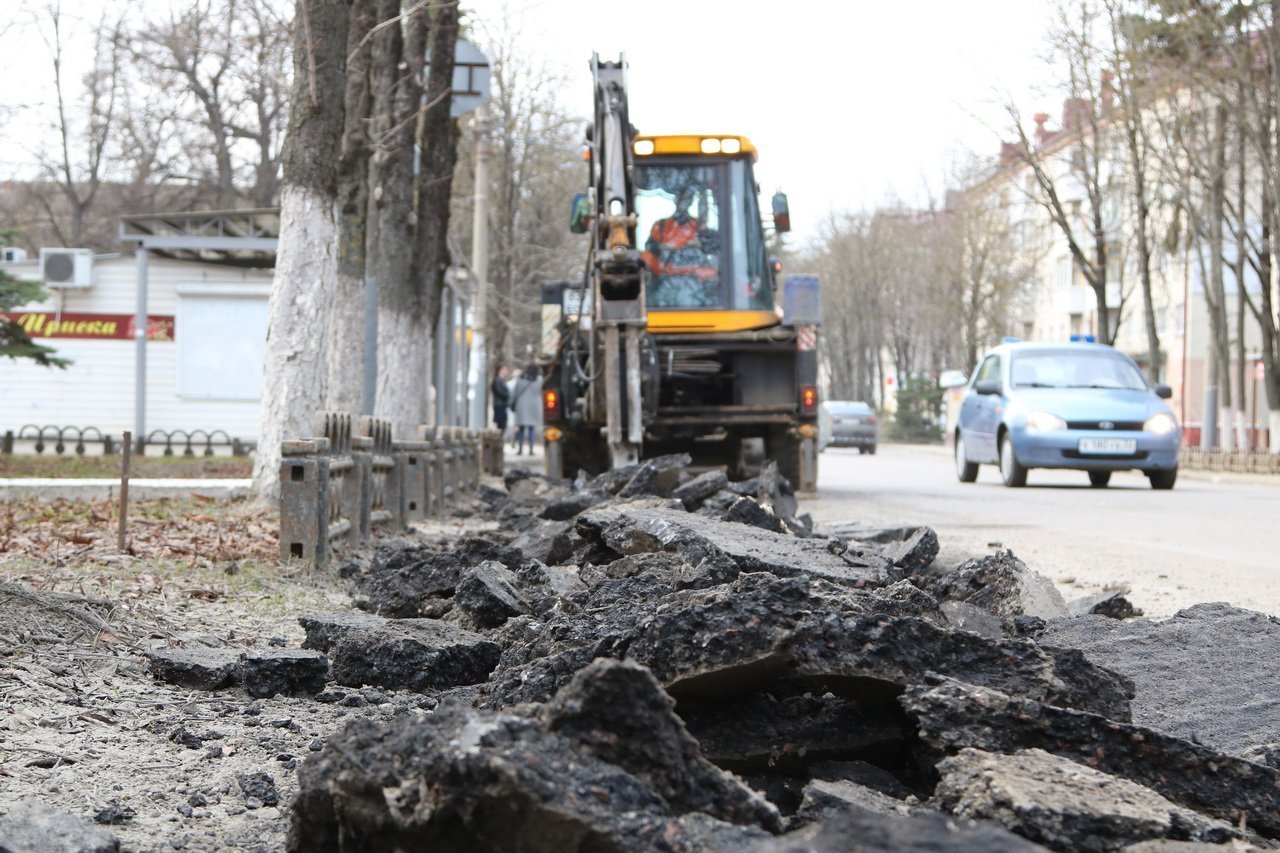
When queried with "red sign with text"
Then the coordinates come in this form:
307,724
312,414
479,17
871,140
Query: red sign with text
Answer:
105,327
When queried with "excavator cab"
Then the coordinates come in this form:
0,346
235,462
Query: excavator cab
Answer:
698,225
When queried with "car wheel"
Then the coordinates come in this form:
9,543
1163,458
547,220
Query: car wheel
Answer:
1099,479
862,451
1011,470
1163,479
872,451
966,471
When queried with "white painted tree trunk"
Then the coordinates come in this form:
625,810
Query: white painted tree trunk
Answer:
345,387
1227,435
1273,424
404,377
293,386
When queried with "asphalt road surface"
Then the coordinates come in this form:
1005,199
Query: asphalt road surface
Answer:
1214,537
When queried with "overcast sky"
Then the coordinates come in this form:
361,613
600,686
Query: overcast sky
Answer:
851,102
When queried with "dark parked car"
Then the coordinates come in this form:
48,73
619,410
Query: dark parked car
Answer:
1082,406
853,424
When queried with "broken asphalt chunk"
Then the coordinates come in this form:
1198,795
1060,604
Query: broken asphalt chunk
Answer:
29,826
869,832
952,715
412,654
616,711
488,594
915,553
1210,674
646,526
286,672
999,583
463,779
696,490
1065,805
196,668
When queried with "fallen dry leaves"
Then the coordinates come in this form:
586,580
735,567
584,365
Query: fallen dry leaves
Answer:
66,532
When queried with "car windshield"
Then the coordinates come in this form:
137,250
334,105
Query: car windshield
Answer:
846,409
1085,369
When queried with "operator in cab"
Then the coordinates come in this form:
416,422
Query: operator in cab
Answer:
683,258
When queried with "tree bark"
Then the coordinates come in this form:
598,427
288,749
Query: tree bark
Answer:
439,158
346,358
306,259
404,333
1215,299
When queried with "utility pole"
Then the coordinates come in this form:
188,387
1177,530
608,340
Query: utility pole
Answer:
480,272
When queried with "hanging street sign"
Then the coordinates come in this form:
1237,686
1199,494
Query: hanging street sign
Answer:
470,78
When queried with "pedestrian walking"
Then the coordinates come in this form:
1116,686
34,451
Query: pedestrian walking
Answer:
501,398
526,402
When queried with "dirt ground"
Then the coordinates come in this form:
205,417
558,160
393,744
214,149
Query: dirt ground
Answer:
83,725
155,465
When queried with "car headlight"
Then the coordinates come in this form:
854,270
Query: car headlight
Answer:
1045,422
1160,423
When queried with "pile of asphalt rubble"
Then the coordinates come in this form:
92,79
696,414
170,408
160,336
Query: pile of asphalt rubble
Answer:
650,660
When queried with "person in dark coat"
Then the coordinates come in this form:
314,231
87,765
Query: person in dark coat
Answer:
501,398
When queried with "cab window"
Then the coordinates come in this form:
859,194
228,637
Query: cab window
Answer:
678,226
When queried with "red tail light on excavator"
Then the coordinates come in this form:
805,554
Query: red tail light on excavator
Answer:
551,404
808,400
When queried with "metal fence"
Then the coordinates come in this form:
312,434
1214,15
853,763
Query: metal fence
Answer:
1234,461
353,476
63,438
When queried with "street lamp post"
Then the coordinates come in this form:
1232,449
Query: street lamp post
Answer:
480,272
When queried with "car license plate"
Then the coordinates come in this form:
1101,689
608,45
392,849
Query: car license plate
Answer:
1108,445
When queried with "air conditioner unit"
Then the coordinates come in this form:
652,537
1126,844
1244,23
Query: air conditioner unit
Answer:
12,254
66,267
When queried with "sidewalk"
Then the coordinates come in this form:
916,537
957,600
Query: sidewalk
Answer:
52,488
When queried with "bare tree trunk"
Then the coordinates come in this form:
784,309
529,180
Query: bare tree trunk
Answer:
306,259
403,331
1238,264
1142,211
346,358
1214,289
439,158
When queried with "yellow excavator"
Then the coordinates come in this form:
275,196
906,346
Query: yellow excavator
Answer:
676,340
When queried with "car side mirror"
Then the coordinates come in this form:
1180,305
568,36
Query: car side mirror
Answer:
987,386
1164,392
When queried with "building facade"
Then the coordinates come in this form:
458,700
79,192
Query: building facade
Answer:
206,340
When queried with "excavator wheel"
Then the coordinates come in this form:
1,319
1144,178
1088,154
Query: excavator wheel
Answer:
784,449
582,449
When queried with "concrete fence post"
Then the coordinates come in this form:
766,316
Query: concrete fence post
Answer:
448,467
413,465
474,461
362,492
304,502
427,435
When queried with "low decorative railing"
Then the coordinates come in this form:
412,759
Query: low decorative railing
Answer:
62,438
189,441
1232,461
353,476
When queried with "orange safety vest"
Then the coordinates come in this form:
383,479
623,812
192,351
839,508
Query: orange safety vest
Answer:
668,236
